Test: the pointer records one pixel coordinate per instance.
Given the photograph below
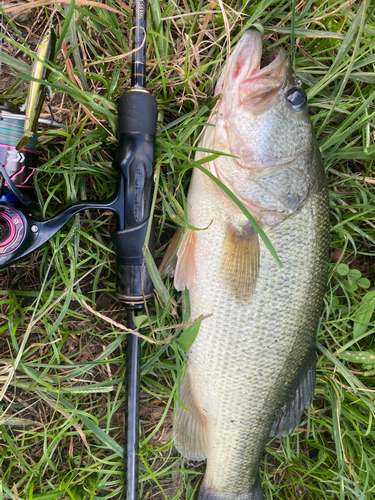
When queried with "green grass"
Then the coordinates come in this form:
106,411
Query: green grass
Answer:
63,367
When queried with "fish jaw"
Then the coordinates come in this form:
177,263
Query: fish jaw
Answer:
250,79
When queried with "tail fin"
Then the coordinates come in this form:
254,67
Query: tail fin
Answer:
207,493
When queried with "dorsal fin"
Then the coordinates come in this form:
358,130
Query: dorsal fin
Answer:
299,398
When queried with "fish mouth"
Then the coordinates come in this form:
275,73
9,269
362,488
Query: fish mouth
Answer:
257,76
250,57
266,60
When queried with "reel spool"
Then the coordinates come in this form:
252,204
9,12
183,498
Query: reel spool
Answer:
19,166
16,181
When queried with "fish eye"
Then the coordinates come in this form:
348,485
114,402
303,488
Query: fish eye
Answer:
296,97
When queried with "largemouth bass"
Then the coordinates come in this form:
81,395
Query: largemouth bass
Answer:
37,91
251,369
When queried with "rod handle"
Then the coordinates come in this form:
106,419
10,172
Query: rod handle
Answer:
138,112
133,283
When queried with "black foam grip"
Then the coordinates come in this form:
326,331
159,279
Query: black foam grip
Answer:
133,283
133,280
137,112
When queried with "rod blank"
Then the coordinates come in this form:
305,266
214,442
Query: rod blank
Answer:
138,77
133,356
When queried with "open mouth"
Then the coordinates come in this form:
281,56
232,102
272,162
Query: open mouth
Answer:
267,60
250,67
265,73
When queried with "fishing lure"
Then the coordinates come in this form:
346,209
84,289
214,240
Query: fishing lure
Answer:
37,91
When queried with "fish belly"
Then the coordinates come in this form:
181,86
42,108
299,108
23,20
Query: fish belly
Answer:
249,353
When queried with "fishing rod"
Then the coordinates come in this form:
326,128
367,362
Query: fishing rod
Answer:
21,232
138,115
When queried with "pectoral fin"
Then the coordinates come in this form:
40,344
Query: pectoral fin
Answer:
299,398
191,426
240,260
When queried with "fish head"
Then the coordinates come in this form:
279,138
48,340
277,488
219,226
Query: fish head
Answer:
262,102
262,120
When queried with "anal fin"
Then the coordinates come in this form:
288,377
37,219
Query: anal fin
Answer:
298,398
190,426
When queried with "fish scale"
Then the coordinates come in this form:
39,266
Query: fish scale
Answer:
222,351
251,369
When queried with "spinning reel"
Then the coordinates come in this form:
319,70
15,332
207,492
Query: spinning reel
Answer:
22,233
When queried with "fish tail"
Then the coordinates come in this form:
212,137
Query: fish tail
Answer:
209,493
24,141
